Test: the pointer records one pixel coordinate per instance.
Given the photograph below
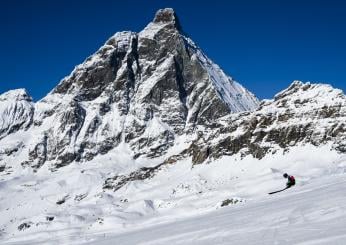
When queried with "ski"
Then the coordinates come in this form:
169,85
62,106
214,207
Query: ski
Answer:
277,191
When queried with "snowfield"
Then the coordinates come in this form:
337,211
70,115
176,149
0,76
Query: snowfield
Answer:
311,214
182,203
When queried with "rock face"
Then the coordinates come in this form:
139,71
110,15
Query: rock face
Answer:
143,89
302,114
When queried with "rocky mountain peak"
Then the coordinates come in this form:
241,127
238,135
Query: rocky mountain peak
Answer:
142,89
167,16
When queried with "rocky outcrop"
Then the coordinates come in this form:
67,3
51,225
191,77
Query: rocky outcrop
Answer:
118,181
302,114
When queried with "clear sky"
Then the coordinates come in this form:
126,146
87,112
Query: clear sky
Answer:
264,45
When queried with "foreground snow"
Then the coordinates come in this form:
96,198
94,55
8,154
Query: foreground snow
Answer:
314,213
181,204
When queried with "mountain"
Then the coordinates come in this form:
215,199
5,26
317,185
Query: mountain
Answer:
143,89
149,129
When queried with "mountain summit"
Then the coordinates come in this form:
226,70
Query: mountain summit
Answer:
167,15
143,89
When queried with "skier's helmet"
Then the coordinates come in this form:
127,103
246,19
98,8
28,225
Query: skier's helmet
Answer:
285,175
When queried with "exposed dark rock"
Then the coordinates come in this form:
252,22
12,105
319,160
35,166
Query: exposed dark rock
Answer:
65,159
49,218
24,226
230,202
38,155
80,197
118,181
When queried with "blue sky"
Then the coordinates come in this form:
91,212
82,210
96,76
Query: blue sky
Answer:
264,45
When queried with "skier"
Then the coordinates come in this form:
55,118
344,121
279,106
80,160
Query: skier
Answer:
290,180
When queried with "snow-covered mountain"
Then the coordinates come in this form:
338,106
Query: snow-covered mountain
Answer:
149,128
144,89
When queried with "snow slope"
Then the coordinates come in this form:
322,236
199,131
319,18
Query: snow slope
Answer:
236,97
314,213
181,204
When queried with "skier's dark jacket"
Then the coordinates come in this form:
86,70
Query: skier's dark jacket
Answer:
290,181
